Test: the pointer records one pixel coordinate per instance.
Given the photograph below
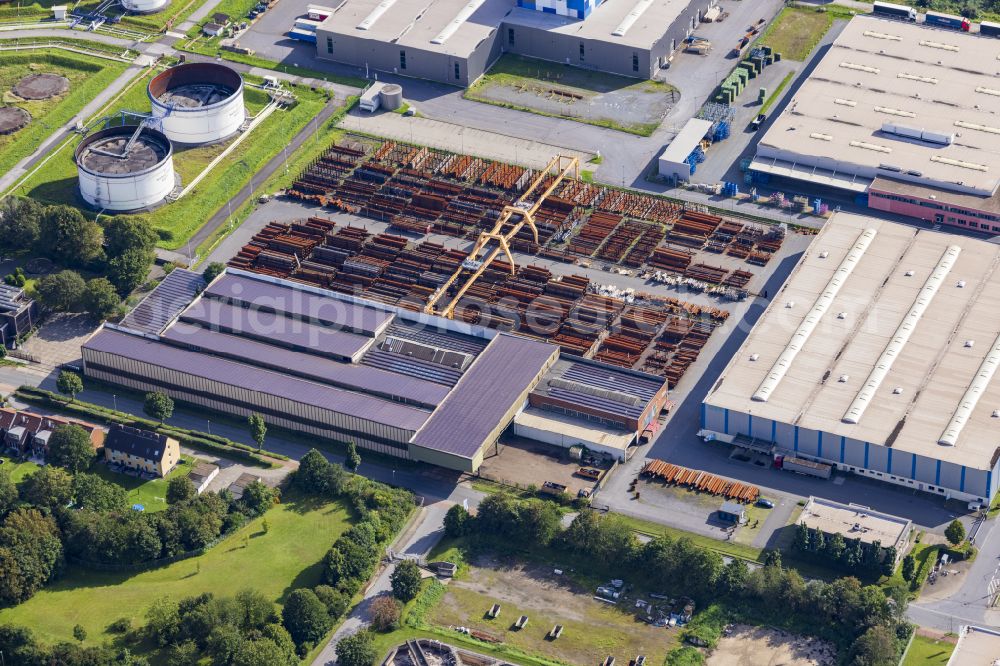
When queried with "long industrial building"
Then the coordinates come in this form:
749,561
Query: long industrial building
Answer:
878,356
456,41
411,385
902,115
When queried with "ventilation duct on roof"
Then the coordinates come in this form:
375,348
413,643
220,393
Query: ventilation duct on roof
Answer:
901,335
860,68
959,163
920,134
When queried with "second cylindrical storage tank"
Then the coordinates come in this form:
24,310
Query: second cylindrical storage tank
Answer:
198,102
392,96
144,6
116,176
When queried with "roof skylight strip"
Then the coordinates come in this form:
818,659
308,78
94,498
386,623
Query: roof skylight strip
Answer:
902,335
819,308
972,395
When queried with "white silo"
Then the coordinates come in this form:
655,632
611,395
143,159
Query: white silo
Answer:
198,102
144,6
124,168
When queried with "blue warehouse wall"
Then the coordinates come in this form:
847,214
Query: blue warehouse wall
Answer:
895,466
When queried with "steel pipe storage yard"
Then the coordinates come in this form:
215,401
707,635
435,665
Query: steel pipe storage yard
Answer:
198,102
125,168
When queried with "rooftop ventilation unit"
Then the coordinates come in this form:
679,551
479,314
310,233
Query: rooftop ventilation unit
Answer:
821,137
969,344
790,304
960,284
895,112
959,163
871,146
916,77
882,35
824,254
860,68
898,390
919,134
845,102
843,379
977,126
988,91
939,45
841,315
908,273
754,357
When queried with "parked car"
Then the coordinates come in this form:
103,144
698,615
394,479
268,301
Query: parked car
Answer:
758,121
765,503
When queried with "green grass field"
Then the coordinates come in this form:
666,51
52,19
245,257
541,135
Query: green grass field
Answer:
925,651
797,31
152,495
87,76
287,556
176,222
18,470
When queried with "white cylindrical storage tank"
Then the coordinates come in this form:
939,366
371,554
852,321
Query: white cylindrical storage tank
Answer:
110,179
392,96
198,102
144,6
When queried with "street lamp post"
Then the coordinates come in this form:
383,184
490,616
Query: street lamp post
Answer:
115,399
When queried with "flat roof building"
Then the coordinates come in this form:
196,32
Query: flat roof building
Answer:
977,646
18,314
456,41
403,383
903,112
878,356
853,521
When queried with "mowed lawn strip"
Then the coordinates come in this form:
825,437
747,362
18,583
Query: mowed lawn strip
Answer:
926,651
286,556
87,77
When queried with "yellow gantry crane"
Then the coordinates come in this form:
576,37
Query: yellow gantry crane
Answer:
495,241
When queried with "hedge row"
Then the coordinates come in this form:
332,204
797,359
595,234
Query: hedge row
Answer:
194,439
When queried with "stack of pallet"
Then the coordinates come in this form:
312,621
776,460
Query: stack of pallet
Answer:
619,242
706,273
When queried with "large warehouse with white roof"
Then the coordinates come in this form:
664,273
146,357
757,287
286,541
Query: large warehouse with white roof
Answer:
402,383
456,41
903,112
879,357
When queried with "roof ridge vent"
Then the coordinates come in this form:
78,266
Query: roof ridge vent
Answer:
812,318
902,335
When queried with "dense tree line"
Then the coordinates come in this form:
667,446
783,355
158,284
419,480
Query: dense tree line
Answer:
121,251
862,620
19,646
850,555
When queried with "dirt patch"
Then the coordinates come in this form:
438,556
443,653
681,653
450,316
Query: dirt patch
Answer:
13,118
524,462
592,629
41,86
949,580
762,646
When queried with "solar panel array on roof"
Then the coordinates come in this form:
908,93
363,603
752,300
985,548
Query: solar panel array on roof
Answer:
413,367
276,329
607,377
596,402
342,375
165,302
427,335
299,303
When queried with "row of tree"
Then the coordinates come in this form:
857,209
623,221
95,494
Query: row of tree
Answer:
852,556
861,619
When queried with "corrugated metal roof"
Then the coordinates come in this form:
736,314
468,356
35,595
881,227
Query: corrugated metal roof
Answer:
276,329
299,303
263,381
487,390
342,375
165,302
